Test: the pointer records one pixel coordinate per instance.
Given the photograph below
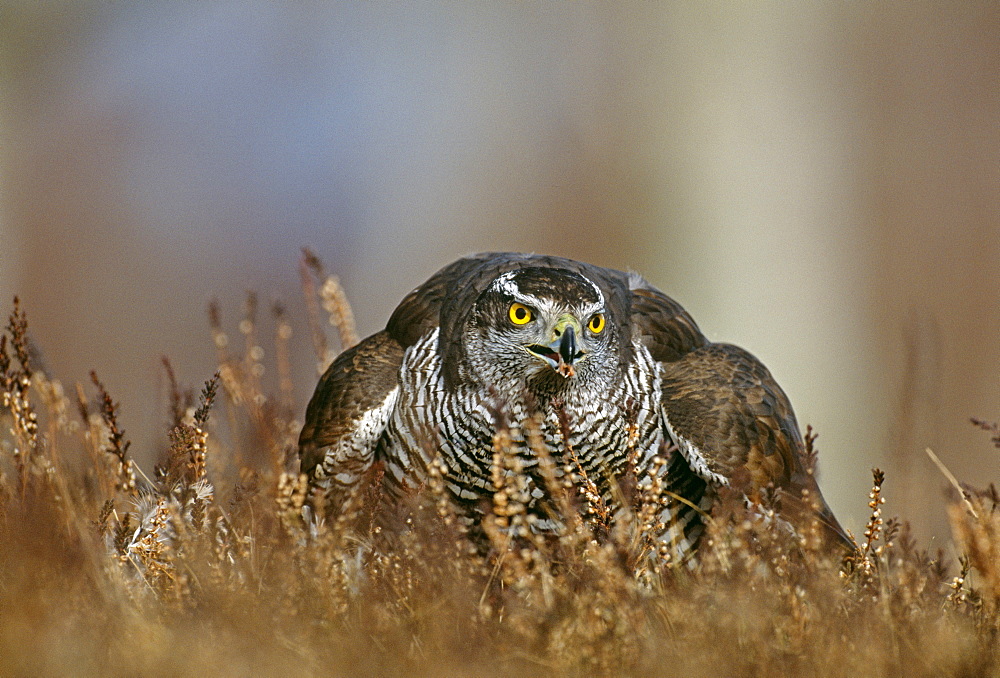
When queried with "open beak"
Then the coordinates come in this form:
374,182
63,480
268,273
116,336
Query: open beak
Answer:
562,352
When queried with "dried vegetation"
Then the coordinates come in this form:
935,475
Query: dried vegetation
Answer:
206,566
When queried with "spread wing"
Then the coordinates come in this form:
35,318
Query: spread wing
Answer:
735,426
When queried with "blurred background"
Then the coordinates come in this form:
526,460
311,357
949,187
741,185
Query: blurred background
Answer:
818,182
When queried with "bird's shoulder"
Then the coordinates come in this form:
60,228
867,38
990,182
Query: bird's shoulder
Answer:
420,311
643,313
661,324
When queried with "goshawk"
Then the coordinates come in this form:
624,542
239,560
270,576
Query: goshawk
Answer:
613,372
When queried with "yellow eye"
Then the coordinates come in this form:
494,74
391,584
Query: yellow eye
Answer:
519,314
596,323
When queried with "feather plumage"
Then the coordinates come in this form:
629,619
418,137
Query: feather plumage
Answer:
451,362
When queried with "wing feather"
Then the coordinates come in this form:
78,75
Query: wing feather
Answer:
735,426
349,411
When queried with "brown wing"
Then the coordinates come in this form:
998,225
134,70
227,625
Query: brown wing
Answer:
725,404
348,413
735,426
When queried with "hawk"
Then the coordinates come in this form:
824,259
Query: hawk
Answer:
616,375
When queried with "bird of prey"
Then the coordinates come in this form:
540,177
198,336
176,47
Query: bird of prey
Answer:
615,373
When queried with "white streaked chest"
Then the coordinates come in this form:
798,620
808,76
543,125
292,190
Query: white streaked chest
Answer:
616,424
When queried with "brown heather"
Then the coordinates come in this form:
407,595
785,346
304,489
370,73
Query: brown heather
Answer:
205,566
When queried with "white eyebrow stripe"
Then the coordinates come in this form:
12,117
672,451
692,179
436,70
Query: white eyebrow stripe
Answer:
505,283
600,295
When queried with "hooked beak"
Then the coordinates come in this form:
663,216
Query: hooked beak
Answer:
562,352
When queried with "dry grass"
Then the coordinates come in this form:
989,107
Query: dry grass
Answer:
205,566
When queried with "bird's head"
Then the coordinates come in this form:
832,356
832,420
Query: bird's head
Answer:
548,328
